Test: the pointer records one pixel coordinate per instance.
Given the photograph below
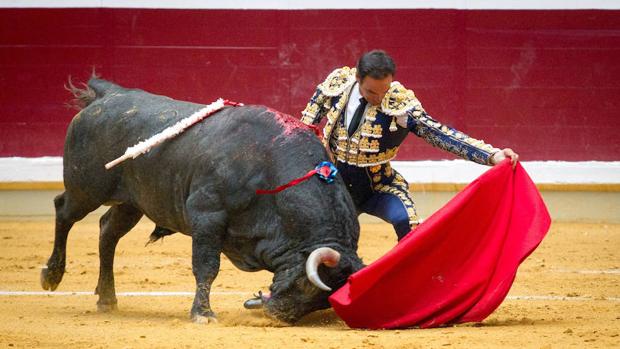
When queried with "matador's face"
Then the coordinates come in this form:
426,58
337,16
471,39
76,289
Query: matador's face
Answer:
373,90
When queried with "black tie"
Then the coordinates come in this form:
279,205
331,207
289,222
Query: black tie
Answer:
357,116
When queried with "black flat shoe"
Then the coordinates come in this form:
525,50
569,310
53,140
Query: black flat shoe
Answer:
256,302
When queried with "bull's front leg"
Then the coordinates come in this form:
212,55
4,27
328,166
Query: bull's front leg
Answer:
69,209
206,250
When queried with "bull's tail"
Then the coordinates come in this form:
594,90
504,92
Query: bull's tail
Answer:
96,88
82,97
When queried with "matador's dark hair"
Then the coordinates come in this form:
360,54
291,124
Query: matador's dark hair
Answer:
376,64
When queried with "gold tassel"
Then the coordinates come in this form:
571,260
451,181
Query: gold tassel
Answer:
393,127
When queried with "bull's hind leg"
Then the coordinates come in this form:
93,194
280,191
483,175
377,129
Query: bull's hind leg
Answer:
68,211
114,224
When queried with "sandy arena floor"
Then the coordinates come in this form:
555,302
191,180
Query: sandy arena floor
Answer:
566,295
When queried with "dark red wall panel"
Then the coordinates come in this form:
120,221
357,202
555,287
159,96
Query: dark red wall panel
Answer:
545,83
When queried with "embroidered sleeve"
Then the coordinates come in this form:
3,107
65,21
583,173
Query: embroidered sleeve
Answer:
315,109
399,100
447,138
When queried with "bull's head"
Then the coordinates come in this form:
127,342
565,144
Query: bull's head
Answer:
297,292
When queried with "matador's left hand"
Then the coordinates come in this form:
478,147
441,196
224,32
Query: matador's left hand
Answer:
503,154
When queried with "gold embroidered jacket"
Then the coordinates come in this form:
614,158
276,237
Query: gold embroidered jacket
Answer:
380,134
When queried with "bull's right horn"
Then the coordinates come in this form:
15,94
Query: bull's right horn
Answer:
322,255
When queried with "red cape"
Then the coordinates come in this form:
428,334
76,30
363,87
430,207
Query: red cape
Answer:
458,265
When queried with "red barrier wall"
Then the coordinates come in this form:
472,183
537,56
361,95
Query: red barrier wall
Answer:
545,83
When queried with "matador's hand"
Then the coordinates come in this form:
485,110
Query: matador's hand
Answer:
503,154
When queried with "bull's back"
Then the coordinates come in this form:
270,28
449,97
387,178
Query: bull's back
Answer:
220,152
117,119
122,118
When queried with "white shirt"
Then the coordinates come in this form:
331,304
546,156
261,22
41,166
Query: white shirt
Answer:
352,104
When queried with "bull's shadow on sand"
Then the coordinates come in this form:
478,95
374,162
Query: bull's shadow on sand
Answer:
509,322
322,318
257,318
226,318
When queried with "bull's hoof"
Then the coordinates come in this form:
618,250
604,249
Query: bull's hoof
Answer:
106,308
200,319
50,279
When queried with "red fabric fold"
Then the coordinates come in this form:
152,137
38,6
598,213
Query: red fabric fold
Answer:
458,265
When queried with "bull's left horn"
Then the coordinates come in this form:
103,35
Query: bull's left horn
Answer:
322,255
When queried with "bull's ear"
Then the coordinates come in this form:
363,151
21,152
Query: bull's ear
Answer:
342,272
347,267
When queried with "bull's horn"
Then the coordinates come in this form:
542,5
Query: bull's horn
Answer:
322,255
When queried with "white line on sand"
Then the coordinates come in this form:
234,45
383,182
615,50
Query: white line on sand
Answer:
120,294
562,298
241,293
604,271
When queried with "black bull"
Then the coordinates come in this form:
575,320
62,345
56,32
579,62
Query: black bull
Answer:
202,183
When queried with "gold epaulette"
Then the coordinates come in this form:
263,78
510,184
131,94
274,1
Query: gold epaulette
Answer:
338,81
399,100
